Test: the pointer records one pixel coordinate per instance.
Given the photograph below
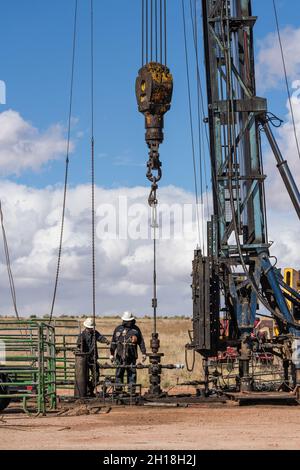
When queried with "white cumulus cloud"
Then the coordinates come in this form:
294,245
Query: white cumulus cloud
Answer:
24,147
269,66
124,267
283,222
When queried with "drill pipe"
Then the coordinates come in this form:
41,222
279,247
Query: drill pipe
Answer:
141,366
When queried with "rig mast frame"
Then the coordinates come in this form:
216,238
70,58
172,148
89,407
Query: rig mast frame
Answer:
237,274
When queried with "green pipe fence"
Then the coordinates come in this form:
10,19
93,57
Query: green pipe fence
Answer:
66,333
40,361
28,371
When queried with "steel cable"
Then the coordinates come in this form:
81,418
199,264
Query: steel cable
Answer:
93,164
191,121
188,367
147,30
201,122
151,30
66,165
251,281
143,31
154,31
213,169
203,177
154,47
161,30
286,77
8,265
93,199
165,27
154,227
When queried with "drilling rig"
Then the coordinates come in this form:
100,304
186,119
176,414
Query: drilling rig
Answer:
235,281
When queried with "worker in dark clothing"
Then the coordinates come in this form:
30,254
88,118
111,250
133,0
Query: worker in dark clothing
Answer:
87,343
124,349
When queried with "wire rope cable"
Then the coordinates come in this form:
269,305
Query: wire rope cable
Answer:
8,265
251,281
154,31
154,47
286,77
92,58
191,122
62,223
202,165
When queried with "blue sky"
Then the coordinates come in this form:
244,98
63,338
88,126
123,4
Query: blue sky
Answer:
35,56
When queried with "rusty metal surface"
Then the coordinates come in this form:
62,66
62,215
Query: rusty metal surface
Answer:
264,398
154,89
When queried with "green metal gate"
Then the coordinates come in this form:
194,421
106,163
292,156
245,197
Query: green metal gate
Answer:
28,366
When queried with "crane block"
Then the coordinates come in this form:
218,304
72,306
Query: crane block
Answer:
154,89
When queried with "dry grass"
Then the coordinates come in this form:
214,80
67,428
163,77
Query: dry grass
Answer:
173,333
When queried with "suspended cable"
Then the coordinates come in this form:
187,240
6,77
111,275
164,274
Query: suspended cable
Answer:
165,27
143,31
187,365
66,165
147,31
93,199
8,265
154,226
93,164
161,30
201,99
286,77
154,106
151,30
231,144
195,36
191,121
156,32
204,129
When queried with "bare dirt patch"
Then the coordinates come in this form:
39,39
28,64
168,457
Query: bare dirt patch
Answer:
229,427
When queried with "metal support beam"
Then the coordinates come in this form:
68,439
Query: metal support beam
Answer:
241,245
284,169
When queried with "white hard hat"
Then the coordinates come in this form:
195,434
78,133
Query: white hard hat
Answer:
127,316
89,323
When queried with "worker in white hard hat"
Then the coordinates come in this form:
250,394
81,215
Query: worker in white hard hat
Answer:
87,343
124,349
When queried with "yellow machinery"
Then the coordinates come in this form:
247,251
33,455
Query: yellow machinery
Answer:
292,279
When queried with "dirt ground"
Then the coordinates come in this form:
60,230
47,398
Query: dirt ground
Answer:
200,427
221,427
